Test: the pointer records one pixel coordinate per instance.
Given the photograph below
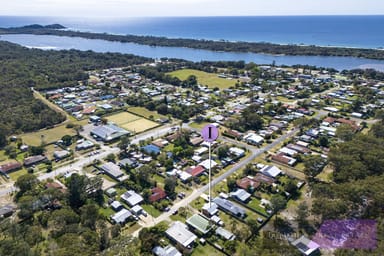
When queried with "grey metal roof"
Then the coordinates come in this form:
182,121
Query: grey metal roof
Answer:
228,206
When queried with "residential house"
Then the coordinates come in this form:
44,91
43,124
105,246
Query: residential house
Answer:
241,195
179,233
157,194
61,154
299,148
271,171
254,139
224,234
283,159
34,160
10,167
199,223
116,206
121,217
151,149
169,250
132,198
306,246
195,171
210,209
229,207
84,145
112,170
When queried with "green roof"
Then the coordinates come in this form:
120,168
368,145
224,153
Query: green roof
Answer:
199,223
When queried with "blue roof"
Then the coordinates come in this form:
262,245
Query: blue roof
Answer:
151,149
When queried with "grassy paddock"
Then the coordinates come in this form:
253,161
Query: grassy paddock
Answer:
209,79
123,118
145,112
49,135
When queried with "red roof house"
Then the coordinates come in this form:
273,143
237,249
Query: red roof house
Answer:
157,194
198,170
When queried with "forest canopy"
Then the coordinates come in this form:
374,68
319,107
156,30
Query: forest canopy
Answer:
23,69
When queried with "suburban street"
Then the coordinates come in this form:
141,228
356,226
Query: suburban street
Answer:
84,160
197,192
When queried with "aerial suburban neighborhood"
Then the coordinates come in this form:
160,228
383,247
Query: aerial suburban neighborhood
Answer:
132,144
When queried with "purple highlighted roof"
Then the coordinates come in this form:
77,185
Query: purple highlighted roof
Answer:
347,234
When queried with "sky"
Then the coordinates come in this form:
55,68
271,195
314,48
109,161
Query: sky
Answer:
150,8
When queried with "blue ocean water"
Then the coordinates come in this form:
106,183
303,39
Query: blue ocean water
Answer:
347,31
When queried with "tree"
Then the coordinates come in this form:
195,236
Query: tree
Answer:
77,191
26,182
124,143
323,141
278,202
169,186
89,215
345,132
313,165
231,184
253,226
67,140
302,214
110,157
230,246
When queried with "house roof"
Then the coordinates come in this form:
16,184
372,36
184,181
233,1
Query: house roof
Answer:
246,182
121,216
226,234
151,149
112,170
230,207
205,164
281,158
198,170
166,251
241,195
34,159
132,198
199,223
10,166
180,233
116,205
196,141
305,245
109,132
157,194
211,208
271,171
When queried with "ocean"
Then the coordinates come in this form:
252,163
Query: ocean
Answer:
346,31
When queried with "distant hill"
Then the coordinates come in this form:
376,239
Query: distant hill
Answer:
38,26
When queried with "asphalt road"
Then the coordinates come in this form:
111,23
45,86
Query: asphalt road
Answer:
84,160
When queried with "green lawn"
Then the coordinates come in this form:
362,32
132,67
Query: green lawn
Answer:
17,174
46,136
206,250
209,79
198,125
254,203
151,210
145,112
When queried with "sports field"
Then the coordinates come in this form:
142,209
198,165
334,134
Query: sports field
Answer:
209,79
132,122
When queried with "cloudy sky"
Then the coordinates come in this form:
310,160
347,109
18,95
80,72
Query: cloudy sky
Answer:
134,8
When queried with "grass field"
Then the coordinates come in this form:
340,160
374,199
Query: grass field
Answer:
48,135
132,122
145,112
140,125
209,79
123,118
